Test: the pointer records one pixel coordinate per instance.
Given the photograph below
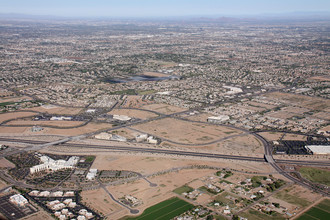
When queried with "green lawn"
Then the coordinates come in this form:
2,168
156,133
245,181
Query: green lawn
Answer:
165,210
316,175
319,212
183,189
89,159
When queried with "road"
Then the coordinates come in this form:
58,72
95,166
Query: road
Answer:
166,152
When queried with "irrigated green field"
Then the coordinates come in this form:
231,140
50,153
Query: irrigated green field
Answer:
319,212
165,210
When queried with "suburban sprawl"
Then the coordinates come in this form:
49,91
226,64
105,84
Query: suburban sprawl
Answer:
164,119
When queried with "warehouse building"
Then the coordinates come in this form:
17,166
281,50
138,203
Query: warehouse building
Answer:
318,149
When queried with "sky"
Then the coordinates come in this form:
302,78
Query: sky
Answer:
159,8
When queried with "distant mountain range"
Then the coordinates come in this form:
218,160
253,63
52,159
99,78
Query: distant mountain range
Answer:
324,15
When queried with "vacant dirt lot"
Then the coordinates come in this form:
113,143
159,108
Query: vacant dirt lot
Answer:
311,103
16,99
198,117
281,114
163,108
6,163
41,215
296,137
271,136
91,127
100,201
149,165
245,145
186,132
13,115
133,113
52,109
49,123
258,104
12,131
322,115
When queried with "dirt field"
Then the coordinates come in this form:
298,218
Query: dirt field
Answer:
100,201
271,136
12,131
15,99
199,117
51,109
50,123
6,163
91,127
163,108
295,137
148,165
125,132
2,185
245,145
185,132
263,105
13,115
133,113
312,103
281,114
322,115
41,215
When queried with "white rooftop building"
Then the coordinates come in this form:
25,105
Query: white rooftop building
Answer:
318,149
218,119
121,117
141,138
91,174
18,200
103,136
50,164
60,118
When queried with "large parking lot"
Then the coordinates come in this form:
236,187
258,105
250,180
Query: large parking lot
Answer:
11,211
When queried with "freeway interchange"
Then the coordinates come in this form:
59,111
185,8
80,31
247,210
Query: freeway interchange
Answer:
34,145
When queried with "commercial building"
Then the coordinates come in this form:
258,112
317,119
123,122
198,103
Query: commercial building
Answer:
53,165
91,174
318,149
121,117
18,200
218,119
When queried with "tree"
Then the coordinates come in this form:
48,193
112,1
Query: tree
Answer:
209,217
235,217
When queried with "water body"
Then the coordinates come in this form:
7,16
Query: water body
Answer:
140,78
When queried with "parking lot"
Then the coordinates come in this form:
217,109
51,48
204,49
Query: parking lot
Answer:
11,211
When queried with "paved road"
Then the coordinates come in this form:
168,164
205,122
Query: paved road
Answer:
167,151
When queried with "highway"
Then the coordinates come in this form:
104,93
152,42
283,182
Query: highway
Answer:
162,151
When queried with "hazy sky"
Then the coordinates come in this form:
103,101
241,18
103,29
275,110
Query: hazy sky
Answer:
147,8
